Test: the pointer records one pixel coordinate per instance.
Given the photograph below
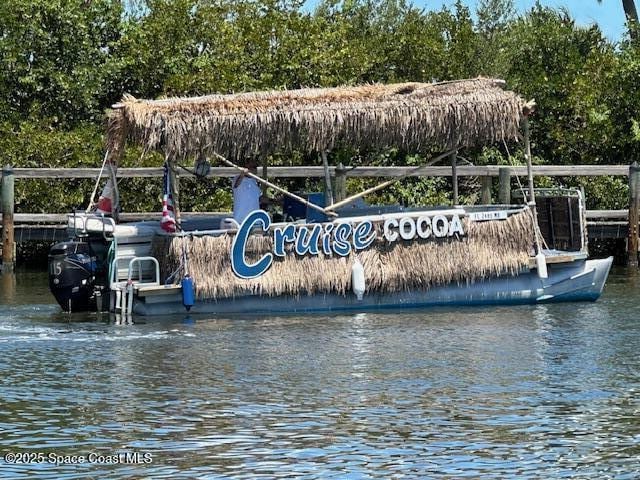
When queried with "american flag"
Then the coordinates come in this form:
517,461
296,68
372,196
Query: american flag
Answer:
105,202
168,222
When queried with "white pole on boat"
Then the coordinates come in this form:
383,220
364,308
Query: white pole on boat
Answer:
95,189
527,155
275,187
541,261
413,171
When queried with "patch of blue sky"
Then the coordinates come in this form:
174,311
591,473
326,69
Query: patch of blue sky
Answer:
608,14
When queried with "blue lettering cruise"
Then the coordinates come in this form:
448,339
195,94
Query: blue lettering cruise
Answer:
330,238
239,263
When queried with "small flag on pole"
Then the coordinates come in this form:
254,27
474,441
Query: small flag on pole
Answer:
168,222
105,202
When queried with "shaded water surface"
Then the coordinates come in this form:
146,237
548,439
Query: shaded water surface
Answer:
545,391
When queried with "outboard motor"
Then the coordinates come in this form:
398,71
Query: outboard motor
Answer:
72,275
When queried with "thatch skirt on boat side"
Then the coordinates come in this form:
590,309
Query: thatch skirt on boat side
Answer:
488,249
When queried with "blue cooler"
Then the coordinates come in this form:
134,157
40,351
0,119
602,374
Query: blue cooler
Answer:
314,215
295,210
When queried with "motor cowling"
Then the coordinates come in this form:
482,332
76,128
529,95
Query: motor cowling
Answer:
72,270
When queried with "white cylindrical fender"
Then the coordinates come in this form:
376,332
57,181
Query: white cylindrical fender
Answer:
541,262
357,279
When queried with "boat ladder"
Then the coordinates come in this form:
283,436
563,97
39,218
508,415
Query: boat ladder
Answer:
122,291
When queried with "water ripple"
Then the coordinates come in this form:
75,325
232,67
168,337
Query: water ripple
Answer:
549,391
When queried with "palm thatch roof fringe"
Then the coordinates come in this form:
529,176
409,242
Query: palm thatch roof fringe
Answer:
412,116
489,249
116,137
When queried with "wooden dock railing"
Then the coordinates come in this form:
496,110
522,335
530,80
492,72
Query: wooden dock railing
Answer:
618,220
360,171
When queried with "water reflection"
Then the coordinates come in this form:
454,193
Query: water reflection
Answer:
505,392
7,287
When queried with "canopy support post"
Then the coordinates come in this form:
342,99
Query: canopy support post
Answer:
115,209
527,154
174,180
532,195
454,176
328,192
341,182
264,174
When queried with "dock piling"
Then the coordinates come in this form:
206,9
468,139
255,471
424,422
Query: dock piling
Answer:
8,202
634,214
504,191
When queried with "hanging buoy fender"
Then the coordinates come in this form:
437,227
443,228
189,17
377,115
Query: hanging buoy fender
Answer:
188,297
357,279
541,262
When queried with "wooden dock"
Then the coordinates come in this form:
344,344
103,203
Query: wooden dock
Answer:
50,228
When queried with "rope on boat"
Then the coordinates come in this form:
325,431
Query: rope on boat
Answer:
95,189
181,270
539,238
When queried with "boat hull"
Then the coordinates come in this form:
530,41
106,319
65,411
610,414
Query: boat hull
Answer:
579,280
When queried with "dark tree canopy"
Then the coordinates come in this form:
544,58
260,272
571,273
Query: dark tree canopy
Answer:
64,63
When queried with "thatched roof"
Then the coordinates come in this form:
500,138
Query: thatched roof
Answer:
412,116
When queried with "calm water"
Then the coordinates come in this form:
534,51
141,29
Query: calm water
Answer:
519,392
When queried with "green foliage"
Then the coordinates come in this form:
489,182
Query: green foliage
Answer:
65,62
36,144
55,57
549,58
